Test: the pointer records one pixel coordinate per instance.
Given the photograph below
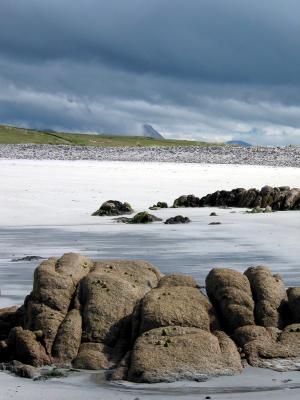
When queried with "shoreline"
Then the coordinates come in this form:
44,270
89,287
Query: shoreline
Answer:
266,156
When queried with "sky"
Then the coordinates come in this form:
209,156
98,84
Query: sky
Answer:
210,70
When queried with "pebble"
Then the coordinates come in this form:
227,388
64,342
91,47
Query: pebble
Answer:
273,156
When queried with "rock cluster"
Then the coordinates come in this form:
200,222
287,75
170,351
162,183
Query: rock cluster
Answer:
125,317
268,198
112,208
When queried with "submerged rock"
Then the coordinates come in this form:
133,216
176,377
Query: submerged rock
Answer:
28,258
179,219
159,205
113,207
141,218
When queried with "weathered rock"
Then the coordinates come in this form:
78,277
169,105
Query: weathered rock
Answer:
93,356
187,201
248,333
26,348
269,295
229,291
54,286
107,297
178,306
112,208
177,280
281,353
294,303
182,353
179,219
68,338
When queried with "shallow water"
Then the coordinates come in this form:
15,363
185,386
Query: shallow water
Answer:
242,240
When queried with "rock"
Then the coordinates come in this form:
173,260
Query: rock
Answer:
230,293
120,373
182,353
20,369
277,198
54,287
159,205
179,219
213,214
26,348
108,295
141,218
248,333
8,320
28,258
269,295
177,280
144,218
256,210
281,353
93,356
68,338
113,207
187,201
176,305
294,303
268,209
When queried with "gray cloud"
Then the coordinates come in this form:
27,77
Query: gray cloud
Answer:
203,69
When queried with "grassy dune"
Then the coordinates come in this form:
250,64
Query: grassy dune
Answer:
13,135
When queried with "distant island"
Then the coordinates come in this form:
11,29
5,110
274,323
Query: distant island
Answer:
239,143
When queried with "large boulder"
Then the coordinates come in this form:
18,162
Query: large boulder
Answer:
54,287
269,295
107,297
230,292
113,208
178,306
182,353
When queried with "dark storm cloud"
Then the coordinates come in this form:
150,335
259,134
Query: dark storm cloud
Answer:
213,69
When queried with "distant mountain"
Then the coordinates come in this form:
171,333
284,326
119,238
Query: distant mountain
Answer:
149,131
239,143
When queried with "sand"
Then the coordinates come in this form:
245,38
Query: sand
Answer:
45,209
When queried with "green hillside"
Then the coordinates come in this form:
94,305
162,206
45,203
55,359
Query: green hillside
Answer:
13,135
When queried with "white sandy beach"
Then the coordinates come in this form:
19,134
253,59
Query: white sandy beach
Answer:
45,209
